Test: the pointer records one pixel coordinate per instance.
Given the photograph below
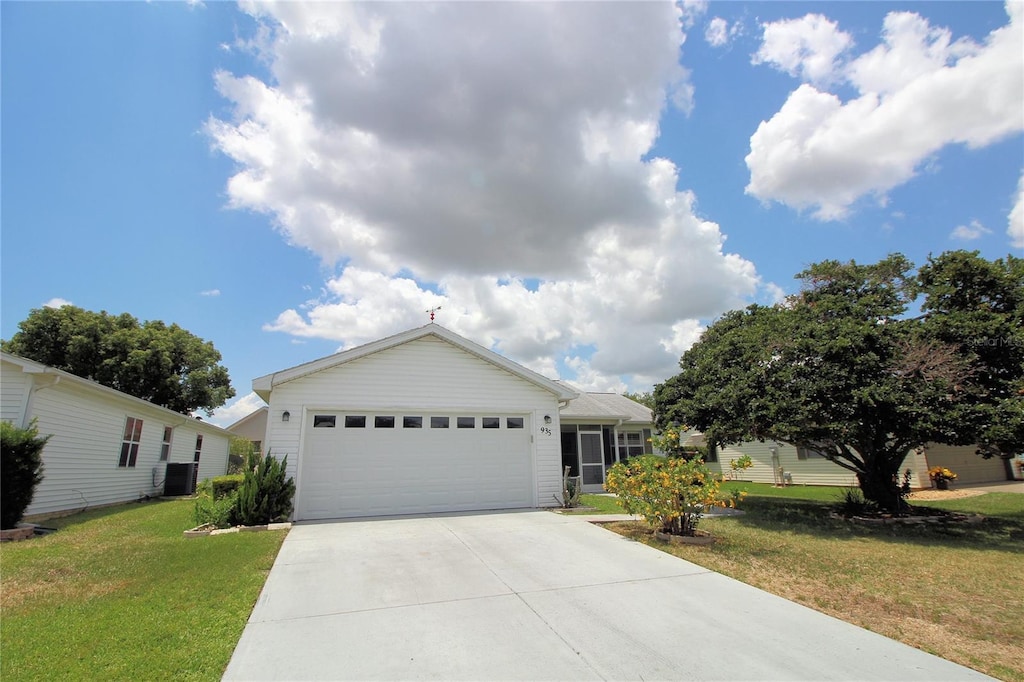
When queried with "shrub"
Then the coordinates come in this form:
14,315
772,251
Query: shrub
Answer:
218,512
21,470
738,466
266,494
223,486
853,503
669,492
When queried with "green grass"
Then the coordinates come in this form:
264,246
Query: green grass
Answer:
600,504
953,591
823,493
120,594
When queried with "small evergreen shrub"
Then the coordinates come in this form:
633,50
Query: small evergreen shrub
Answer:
266,493
21,470
223,486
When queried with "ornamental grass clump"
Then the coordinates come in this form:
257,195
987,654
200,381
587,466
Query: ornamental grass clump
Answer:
671,493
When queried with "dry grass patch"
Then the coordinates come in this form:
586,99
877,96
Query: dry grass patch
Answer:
950,591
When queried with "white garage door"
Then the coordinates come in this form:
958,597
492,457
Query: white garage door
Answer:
969,466
375,464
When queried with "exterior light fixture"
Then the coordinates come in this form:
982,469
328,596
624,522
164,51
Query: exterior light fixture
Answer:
286,415
547,419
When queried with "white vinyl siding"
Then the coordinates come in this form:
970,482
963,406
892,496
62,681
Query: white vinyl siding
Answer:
252,427
424,377
16,385
813,471
87,425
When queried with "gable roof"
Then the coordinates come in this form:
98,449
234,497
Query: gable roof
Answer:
33,367
604,406
247,418
264,385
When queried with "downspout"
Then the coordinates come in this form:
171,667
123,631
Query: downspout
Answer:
25,420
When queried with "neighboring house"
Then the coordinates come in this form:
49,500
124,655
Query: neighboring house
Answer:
422,421
106,446
969,466
600,429
784,463
252,427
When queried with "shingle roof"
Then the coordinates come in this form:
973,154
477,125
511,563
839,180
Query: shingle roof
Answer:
606,406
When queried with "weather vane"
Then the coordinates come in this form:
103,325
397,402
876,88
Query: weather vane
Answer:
432,311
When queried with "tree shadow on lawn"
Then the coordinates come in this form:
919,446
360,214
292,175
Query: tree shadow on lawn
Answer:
808,517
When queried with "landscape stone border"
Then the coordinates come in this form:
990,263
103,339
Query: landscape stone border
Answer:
204,531
23,531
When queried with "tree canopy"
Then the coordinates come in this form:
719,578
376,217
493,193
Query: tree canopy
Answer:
165,365
645,398
843,368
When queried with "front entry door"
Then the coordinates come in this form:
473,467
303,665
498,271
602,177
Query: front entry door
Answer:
591,463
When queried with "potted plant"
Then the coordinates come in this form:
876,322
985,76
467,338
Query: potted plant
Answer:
941,476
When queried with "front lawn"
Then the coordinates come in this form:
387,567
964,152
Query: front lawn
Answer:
599,504
120,594
954,592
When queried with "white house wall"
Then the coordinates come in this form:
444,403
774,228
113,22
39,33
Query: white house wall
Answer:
80,460
253,427
15,393
812,471
427,373
964,461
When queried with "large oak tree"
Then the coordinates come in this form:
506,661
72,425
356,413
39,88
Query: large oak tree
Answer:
846,369
165,365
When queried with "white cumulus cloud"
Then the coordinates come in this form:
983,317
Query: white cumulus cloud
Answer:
241,407
210,292
454,155
969,232
1015,226
57,303
808,47
717,32
917,91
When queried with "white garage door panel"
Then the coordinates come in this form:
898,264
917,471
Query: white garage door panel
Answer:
372,472
969,466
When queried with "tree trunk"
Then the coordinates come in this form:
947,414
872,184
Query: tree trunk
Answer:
880,482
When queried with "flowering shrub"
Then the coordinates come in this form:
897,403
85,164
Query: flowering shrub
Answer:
667,441
740,465
670,443
669,492
941,474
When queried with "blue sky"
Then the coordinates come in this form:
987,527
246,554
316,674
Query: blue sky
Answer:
582,187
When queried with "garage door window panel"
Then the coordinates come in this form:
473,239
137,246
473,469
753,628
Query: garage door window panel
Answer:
439,422
513,422
324,421
412,422
355,422
466,422
383,422
490,422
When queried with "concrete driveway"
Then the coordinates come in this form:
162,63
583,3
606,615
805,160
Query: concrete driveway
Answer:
535,596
